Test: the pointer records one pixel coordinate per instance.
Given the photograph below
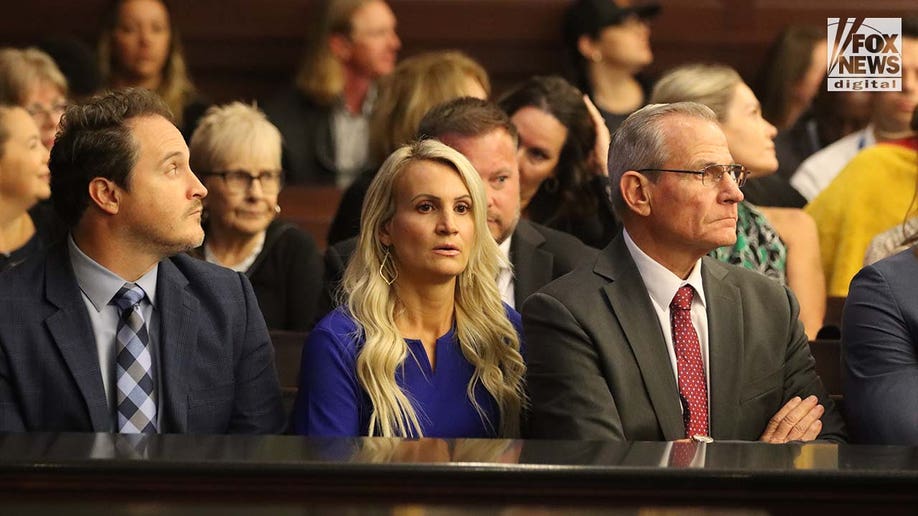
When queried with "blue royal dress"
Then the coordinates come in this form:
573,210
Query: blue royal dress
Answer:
331,401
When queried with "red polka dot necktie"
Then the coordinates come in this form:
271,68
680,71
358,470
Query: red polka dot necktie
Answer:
682,453
693,389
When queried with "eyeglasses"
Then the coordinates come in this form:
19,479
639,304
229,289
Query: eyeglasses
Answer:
54,110
711,174
239,181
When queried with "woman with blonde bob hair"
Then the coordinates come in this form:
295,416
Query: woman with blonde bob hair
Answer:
423,346
236,152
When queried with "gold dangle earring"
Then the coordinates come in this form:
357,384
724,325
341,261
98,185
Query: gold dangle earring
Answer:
382,269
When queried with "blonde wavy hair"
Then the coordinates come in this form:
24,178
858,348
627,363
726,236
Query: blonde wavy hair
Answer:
712,85
176,88
394,451
321,75
486,337
417,84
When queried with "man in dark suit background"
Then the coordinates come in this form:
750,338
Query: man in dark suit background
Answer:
114,329
655,341
325,116
484,134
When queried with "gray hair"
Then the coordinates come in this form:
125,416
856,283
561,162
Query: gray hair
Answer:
231,131
640,142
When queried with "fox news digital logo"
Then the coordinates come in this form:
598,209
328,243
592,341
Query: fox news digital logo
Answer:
864,54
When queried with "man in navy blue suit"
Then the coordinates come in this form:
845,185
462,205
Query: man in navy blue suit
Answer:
115,329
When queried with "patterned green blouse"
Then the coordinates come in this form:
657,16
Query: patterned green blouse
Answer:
758,246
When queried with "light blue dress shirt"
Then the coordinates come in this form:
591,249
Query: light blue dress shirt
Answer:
98,286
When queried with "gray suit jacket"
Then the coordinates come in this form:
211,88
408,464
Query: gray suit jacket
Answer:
540,254
599,367
217,361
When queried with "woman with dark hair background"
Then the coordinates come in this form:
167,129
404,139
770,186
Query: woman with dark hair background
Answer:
607,45
791,73
562,155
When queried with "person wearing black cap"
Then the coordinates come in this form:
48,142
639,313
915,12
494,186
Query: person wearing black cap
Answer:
608,43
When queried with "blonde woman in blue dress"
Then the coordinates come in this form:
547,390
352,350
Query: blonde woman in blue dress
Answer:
423,345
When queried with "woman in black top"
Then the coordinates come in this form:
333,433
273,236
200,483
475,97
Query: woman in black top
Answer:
607,44
562,158
237,154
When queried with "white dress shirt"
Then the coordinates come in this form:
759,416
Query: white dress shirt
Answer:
505,276
662,286
817,171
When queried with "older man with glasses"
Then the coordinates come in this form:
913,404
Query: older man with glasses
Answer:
655,341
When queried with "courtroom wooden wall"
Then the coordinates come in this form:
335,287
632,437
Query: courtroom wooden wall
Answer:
250,48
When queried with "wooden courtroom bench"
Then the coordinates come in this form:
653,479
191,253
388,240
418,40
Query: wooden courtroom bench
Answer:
312,208
830,366
288,348
84,473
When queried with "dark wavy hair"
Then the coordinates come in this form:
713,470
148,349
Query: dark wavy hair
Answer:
94,140
572,195
786,62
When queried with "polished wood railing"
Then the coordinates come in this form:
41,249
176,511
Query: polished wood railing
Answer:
45,473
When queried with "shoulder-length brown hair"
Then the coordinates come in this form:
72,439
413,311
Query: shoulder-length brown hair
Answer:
176,88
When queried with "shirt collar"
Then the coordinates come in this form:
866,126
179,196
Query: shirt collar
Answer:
365,109
505,251
660,282
100,284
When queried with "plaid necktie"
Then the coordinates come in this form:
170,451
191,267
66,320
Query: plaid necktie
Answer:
692,385
136,405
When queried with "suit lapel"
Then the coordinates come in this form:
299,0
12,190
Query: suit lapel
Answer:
532,267
72,333
725,347
631,306
177,343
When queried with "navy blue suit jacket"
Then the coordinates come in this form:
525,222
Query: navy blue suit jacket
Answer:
880,339
217,362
